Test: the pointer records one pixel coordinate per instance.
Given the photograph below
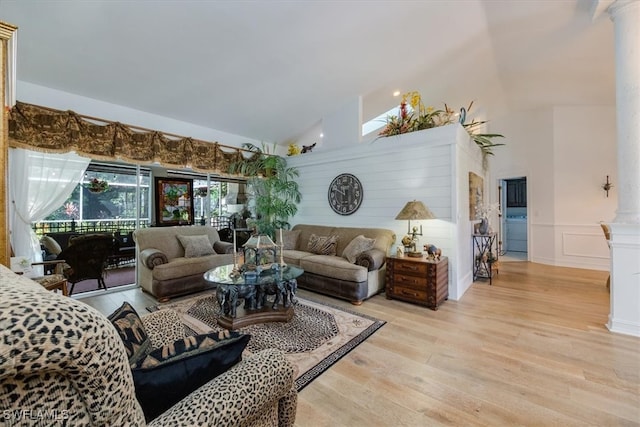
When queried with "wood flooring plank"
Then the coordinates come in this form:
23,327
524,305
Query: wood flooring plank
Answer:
531,349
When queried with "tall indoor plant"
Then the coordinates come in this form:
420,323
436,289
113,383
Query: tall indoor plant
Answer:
273,187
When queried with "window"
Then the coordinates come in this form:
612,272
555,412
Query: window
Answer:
380,121
118,197
104,201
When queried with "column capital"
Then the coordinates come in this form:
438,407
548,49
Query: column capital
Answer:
7,30
619,6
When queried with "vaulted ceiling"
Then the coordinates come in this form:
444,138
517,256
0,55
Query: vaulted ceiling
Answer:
270,70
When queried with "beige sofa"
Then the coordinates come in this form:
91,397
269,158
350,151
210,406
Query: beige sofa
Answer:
333,274
164,269
63,363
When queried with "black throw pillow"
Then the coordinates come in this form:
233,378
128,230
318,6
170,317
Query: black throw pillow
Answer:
131,330
168,374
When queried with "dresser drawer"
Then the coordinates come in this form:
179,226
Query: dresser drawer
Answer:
410,268
410,281
418,280
417,295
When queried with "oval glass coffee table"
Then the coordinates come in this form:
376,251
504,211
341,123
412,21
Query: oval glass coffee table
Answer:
254,291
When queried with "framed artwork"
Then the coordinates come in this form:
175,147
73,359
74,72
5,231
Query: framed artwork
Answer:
476,189
174,201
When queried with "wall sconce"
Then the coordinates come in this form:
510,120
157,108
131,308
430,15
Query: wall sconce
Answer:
607,186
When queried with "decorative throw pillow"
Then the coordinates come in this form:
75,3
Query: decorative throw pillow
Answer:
170,373
322,245
51,245
355,247
196,246
289,238
131,330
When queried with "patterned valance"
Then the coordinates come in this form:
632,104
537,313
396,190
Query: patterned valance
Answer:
45,129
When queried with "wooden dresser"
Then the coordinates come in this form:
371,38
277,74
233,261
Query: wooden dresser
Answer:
418,280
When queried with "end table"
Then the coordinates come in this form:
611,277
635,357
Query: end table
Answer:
418,280
52,282
485,256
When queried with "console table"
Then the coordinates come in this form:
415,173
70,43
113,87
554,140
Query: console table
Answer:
418,280
485,255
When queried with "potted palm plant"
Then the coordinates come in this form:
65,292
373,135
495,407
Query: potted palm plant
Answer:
273,187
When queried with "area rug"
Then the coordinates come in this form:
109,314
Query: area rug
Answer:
317,336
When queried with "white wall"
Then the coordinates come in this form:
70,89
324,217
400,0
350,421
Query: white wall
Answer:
339,128
431,166
565,152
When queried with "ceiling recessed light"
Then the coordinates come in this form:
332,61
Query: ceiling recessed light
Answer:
321,135
396,93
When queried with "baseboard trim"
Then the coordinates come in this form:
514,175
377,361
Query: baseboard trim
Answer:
622,327
97,292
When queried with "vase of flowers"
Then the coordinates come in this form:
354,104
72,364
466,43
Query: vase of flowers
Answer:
483,213
483,228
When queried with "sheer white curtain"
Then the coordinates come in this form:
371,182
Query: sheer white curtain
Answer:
39,183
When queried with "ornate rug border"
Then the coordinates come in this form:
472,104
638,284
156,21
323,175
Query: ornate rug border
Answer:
303,380
306,378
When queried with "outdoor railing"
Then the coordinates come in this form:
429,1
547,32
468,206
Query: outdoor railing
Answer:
93,226
115,225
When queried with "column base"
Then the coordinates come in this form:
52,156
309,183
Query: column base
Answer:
622,327
624,316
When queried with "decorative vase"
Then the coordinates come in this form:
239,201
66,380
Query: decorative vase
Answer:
483,228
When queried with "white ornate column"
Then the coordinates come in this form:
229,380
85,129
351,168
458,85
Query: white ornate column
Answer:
625,228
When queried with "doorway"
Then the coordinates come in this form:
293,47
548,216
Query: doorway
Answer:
514,223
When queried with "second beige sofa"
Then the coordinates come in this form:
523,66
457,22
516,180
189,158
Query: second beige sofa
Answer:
334,274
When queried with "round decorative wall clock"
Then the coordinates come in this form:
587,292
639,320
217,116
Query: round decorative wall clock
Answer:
345,194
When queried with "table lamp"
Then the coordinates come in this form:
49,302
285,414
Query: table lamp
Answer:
414,210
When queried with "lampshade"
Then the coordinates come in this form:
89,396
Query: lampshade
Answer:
415,210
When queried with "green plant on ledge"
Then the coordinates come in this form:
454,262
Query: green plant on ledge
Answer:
274,188
420,117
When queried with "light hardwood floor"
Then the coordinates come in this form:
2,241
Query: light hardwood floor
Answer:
530,350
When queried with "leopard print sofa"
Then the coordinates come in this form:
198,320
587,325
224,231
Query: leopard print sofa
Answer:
63,364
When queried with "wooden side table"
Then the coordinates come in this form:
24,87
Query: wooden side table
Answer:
418,280
53,282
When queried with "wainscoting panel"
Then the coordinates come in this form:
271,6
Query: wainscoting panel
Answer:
584,245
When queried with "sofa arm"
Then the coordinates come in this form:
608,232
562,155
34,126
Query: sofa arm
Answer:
287,408
163,327
239,396
223,247
151,257
373,259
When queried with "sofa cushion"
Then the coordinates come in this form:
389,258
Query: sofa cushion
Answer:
183,267
289,238
196,246
384,237
334,267
131,330
293,257
322,245
168,374
356,246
